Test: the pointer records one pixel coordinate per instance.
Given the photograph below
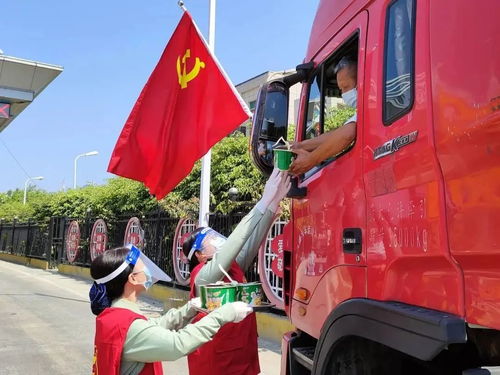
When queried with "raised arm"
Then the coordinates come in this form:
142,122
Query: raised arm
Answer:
250,249
249,232
210,272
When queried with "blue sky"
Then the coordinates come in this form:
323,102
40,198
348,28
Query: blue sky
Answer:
108,50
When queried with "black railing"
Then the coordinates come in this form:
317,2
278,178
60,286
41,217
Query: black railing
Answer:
48,242
24,238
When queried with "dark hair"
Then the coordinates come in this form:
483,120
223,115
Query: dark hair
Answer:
347,62
101,295
188,244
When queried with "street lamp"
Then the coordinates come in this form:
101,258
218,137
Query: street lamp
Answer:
91,153
26,186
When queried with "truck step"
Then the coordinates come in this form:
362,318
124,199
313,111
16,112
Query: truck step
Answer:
483,371
304,355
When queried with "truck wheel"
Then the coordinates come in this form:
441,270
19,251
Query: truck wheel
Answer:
356,356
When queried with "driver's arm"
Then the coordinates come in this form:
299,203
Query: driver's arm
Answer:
334,142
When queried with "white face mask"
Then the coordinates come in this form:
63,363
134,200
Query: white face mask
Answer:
351,97
149,278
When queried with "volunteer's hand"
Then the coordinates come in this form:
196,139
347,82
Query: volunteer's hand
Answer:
269,191
194,303
281,191
241,310
302,162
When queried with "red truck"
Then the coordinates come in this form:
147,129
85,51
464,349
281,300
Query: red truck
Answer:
392,254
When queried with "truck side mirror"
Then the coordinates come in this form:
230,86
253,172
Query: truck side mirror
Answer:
270,122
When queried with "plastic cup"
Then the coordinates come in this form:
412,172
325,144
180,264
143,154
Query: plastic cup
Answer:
282,158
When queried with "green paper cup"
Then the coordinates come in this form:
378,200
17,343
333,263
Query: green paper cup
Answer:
250,293
282,158
217,295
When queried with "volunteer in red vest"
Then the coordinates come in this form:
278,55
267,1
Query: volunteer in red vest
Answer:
233,351
126,342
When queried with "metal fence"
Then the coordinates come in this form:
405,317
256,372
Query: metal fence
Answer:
48,242
24,238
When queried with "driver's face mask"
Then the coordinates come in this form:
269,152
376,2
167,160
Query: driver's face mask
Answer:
208,242
351,97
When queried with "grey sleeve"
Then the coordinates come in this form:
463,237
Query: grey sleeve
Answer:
175,318
251,248
210,272
149,342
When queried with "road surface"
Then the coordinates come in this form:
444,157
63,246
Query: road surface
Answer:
47,326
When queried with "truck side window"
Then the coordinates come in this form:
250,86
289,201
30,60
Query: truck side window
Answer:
313,124
326,110
335,111
399,60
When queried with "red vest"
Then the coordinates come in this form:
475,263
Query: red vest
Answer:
233,350
110,333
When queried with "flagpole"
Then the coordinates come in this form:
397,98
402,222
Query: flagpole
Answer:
206,160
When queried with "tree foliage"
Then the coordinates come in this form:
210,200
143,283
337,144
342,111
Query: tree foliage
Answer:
231,167
336,116
117,197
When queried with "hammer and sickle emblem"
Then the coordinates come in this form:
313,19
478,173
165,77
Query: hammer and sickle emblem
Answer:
184,77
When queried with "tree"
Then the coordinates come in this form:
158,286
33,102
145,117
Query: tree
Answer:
336,116
231,167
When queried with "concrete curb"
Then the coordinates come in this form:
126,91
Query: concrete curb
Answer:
270,326
19,259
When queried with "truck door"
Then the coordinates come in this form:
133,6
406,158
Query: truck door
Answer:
407,248
329,221
466,109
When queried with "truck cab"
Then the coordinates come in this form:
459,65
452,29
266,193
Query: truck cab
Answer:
392,258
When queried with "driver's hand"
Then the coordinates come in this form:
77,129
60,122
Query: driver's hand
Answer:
302,162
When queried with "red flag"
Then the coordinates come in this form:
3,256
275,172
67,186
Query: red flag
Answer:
187,106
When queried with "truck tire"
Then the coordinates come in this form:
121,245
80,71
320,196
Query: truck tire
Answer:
356,356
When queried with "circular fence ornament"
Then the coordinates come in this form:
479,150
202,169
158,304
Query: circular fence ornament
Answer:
181,263
98,238
271,264
134,234
72,241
